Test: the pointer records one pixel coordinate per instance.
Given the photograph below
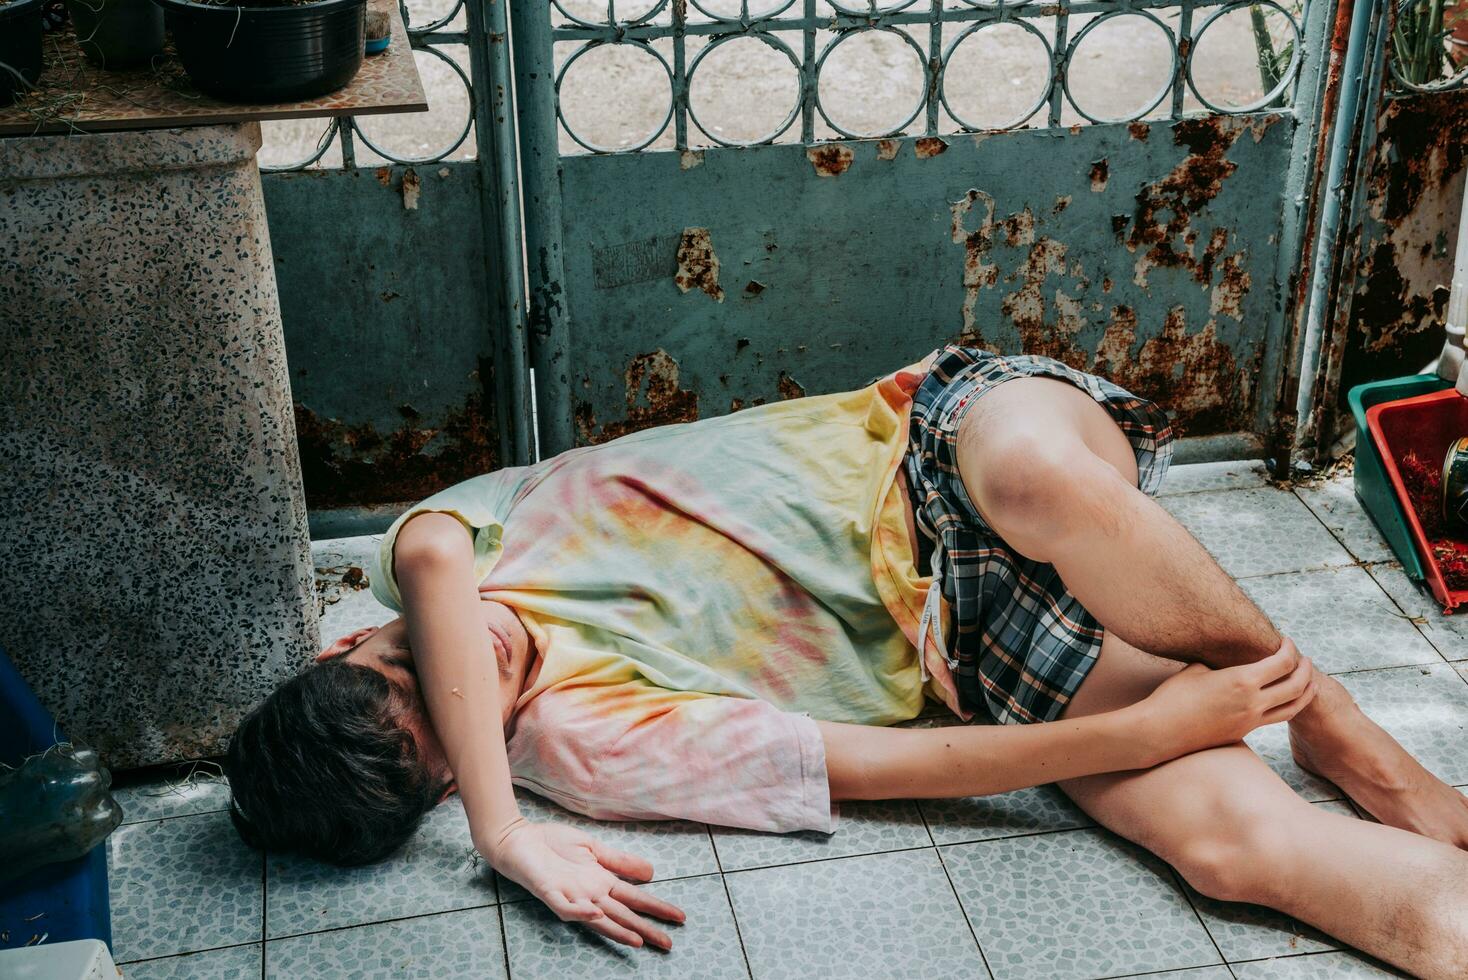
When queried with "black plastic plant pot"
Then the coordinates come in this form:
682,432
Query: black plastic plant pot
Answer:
265,54
20,48
117,33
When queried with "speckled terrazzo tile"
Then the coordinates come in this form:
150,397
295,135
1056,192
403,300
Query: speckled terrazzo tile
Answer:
676,848
182,885
1037,810
1246,932
1241,474
1257,532
864,828
1272,744
435,947
1424,708
1448,633
1340,618
705,946
877,916
1335,503
438,871
204,792
1078,904
1348,965
235,963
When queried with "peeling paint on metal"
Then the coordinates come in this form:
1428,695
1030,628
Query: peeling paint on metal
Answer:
1100,174
1413,182
688,159
1232,286
384,176
830,159
887,149
754,287
698,266
653,398
789,388
929,146
412,188
1139,131
1061,203
978,272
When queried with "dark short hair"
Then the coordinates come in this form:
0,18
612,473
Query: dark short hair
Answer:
327,767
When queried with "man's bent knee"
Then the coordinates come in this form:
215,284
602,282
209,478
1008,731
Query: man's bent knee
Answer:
1243,855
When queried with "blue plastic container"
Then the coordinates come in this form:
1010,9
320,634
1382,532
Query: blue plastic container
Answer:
63,901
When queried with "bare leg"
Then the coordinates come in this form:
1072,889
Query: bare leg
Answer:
1055,476
1236,832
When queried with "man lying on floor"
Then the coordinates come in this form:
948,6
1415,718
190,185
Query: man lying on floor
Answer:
712,621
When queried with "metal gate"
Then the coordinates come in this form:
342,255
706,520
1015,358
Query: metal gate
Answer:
1161,249
1171,249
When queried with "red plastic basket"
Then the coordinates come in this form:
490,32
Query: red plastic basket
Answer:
1426,425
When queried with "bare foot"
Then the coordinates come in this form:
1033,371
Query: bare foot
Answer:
1335,740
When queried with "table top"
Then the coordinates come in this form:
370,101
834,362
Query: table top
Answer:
73,95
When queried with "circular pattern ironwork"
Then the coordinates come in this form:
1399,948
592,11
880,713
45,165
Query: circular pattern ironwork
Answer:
1286,77
744,17
842,38
658,7
1163,90
428,28
458,141
323,143
1453,81
872,8
1045,90
768,40
657,130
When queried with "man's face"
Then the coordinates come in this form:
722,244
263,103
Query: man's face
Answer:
387,651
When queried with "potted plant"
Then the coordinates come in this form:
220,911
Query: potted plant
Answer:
117,33
20,47
264,51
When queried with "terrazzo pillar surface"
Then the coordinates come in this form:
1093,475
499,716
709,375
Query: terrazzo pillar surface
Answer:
155,574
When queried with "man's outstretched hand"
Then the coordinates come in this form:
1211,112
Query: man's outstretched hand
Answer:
581,880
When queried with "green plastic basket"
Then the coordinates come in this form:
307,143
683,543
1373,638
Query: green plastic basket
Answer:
1373,487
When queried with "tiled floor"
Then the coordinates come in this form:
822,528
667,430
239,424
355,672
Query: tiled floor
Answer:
1011,887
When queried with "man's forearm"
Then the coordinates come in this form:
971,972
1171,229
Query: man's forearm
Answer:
865,762
456,668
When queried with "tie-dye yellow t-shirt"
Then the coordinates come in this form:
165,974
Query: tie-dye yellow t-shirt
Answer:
699,593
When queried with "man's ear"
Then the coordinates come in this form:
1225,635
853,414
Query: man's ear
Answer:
345,643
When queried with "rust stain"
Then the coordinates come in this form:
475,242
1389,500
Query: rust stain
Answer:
384,176
1160,227
887,149
356,465
929,146
977,241
1413,190
1026,306
698,266
1061,203
412,189
1233,285
830,159
1100,174
1195,376
1139,131
653,398
789,388
1019,228
754,287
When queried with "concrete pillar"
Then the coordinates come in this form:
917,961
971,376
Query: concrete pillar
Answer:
155,573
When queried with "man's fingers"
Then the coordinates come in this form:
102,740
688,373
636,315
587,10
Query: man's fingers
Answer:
1281,692
622,863
1289,709
635,898
615,931
1278,664
581,910
629,919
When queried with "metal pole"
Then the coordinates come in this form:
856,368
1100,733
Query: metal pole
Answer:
540,169
1330,217
499,196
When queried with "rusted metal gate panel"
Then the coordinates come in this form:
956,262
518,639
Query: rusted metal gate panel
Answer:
669,285
387,314
1136,255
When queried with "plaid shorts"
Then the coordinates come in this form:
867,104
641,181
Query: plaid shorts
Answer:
1023,643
